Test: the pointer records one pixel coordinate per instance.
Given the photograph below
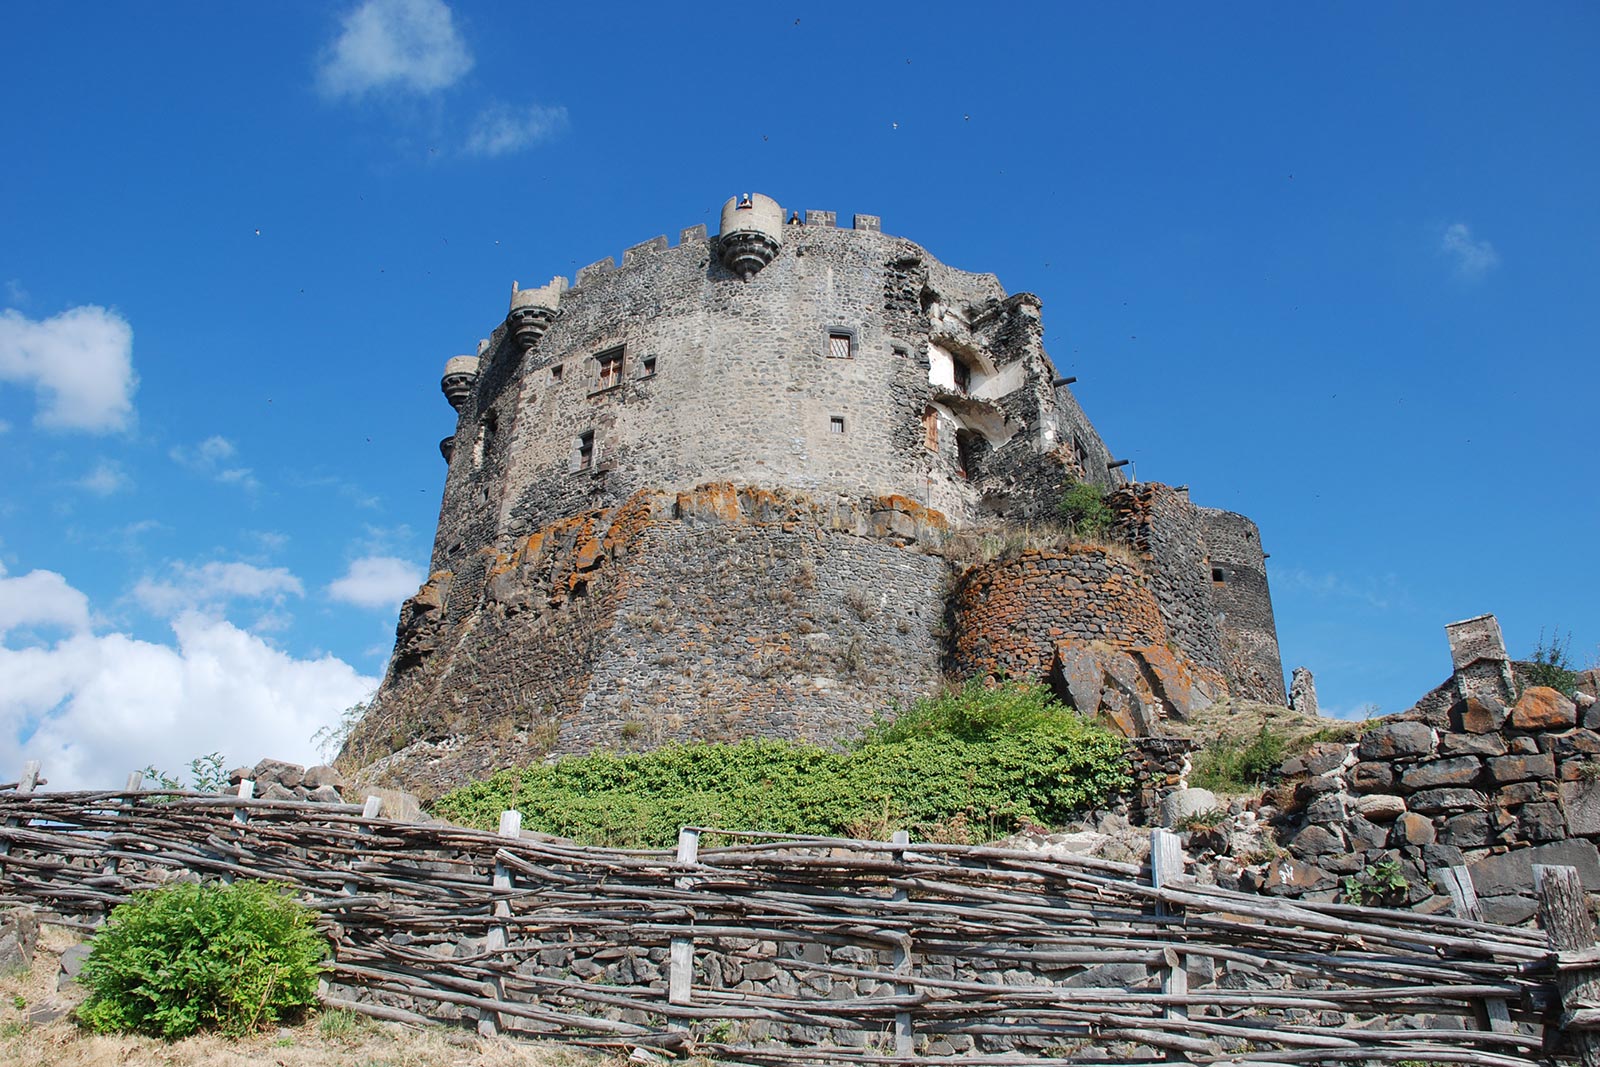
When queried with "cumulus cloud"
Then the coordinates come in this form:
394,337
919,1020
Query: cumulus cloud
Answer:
93,707
40,599
210,586
1473,257
213,458
377,582
79,363
106,478
409,45
502,129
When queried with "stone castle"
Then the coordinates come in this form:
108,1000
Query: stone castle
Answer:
768,483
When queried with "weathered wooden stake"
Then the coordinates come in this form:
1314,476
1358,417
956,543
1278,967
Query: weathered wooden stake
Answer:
1568,923
134,784
241,815
1166,868
904,1034
26,784
489,1023
680,977
1457,881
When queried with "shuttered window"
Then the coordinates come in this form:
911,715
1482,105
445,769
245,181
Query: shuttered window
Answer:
838,344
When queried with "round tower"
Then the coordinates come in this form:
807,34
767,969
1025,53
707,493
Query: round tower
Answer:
752,232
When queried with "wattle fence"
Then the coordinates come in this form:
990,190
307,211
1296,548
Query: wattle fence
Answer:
766,950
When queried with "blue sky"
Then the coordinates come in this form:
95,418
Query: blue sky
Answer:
1332,266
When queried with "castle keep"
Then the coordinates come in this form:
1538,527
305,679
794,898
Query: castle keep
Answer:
732,487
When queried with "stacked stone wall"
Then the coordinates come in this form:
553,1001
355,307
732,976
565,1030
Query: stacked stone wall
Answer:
1491,788
1169,534
1242,604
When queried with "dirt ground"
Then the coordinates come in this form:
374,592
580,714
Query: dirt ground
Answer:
30,1037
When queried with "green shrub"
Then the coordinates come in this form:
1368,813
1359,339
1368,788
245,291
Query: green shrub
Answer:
1083,507
187,957
1380,883
1227,766
994,758
1551,664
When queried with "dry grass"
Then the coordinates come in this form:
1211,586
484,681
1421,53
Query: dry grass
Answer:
339,1039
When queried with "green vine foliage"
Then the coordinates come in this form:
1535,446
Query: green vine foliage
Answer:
990,759
185,957
1084,509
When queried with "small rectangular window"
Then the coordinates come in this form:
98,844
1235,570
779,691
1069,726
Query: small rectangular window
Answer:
555,373
963,378
610,373
586,450
902,351
647,366
839,344
1218,575
836,424
930,429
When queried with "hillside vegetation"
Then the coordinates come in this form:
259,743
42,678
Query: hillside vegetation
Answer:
973,763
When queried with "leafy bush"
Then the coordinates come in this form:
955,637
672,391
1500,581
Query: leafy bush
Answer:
1380,883
1083,507
1227,766
1552,665
995,758
187,957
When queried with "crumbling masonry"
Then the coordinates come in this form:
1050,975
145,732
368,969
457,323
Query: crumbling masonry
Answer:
719,492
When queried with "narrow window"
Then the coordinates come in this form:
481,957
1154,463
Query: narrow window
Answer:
963,377
610,375
930,428
1218,575
555,373
839,344
902,351
836,424
586,450
648,366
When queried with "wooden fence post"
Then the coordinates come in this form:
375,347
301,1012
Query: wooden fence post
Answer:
680,976
904,1033
25,785
241,817
134,784
1457,881
489,1022
1166,868
1568,923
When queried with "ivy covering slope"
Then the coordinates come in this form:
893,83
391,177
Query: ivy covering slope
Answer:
975,760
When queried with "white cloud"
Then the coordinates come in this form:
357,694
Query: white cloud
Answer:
401,44
1377,592
211,458
92,707
79,363
502,129
40,599
210,586
106,478
377,582
1473,258
16,295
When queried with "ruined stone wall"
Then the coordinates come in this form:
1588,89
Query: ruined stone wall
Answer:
1168,533
712,614
1242,604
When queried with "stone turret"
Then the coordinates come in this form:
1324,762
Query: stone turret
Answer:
752,232
460,375
532,311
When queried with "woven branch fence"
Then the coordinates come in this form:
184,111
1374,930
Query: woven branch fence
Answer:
789,950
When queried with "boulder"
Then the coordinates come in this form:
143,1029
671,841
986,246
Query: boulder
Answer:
322,775
1543,708
285,774
1458,770
1434,801
1468,830
324,794
1504,769
1542,822
1512,872
1380,807
1581,801
1181,803
1372,777
1479,713
1396,739
19,935
1412,829
1471,745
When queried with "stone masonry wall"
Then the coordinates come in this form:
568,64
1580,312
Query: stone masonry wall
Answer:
1481,785
712,614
